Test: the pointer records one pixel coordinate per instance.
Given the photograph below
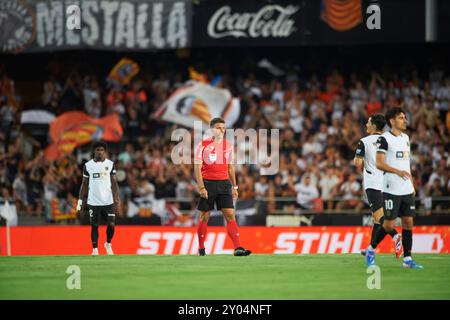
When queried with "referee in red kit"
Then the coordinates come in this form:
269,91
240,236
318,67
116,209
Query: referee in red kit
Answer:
213,171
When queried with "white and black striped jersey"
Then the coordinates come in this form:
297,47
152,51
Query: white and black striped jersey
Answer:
397,150
99,174
367,149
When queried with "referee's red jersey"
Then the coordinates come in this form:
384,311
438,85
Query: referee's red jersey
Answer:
215,157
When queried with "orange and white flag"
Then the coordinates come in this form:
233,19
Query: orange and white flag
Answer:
196,101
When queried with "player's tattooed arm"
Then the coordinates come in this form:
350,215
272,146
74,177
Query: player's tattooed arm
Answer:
115,192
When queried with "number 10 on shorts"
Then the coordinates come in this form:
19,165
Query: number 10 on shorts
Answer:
389,204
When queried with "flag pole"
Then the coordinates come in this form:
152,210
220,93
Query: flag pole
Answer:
8,238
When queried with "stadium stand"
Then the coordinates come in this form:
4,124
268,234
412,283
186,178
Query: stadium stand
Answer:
320,104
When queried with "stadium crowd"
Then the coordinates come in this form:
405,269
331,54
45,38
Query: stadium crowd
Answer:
321,117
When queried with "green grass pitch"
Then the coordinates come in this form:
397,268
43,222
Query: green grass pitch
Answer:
337,276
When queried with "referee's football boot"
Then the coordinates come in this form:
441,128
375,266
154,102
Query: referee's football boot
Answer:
411,264
241,252
202,252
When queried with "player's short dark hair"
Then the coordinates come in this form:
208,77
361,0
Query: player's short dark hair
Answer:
378,120
392,113
216,120
99,144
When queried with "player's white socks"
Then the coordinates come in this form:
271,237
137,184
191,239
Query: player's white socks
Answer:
407,258
370,247
95,252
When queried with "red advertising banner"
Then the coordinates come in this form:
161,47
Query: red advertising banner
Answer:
75,240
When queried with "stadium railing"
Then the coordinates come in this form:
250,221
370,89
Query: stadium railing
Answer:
424,206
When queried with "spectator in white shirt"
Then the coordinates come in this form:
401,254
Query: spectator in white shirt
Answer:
306,193
20,191
350,191
145,190
328,187
261,188
311,147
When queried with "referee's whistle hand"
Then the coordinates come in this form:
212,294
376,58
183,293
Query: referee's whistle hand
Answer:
204,193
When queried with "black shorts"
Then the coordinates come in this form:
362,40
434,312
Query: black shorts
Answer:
107,213
398,206
375,199
219,193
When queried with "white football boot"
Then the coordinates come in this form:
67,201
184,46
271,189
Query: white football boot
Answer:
108,248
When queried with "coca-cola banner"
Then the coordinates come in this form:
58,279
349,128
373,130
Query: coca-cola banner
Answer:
308,22
247,22
47,25
69,240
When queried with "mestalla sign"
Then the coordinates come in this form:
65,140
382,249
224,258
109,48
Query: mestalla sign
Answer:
32,25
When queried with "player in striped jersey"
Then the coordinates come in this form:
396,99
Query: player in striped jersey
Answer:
365,159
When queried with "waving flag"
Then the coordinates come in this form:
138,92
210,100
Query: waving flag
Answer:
74,128
197,76
63,209
124,71
197,101
36,121
341,15
9,213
